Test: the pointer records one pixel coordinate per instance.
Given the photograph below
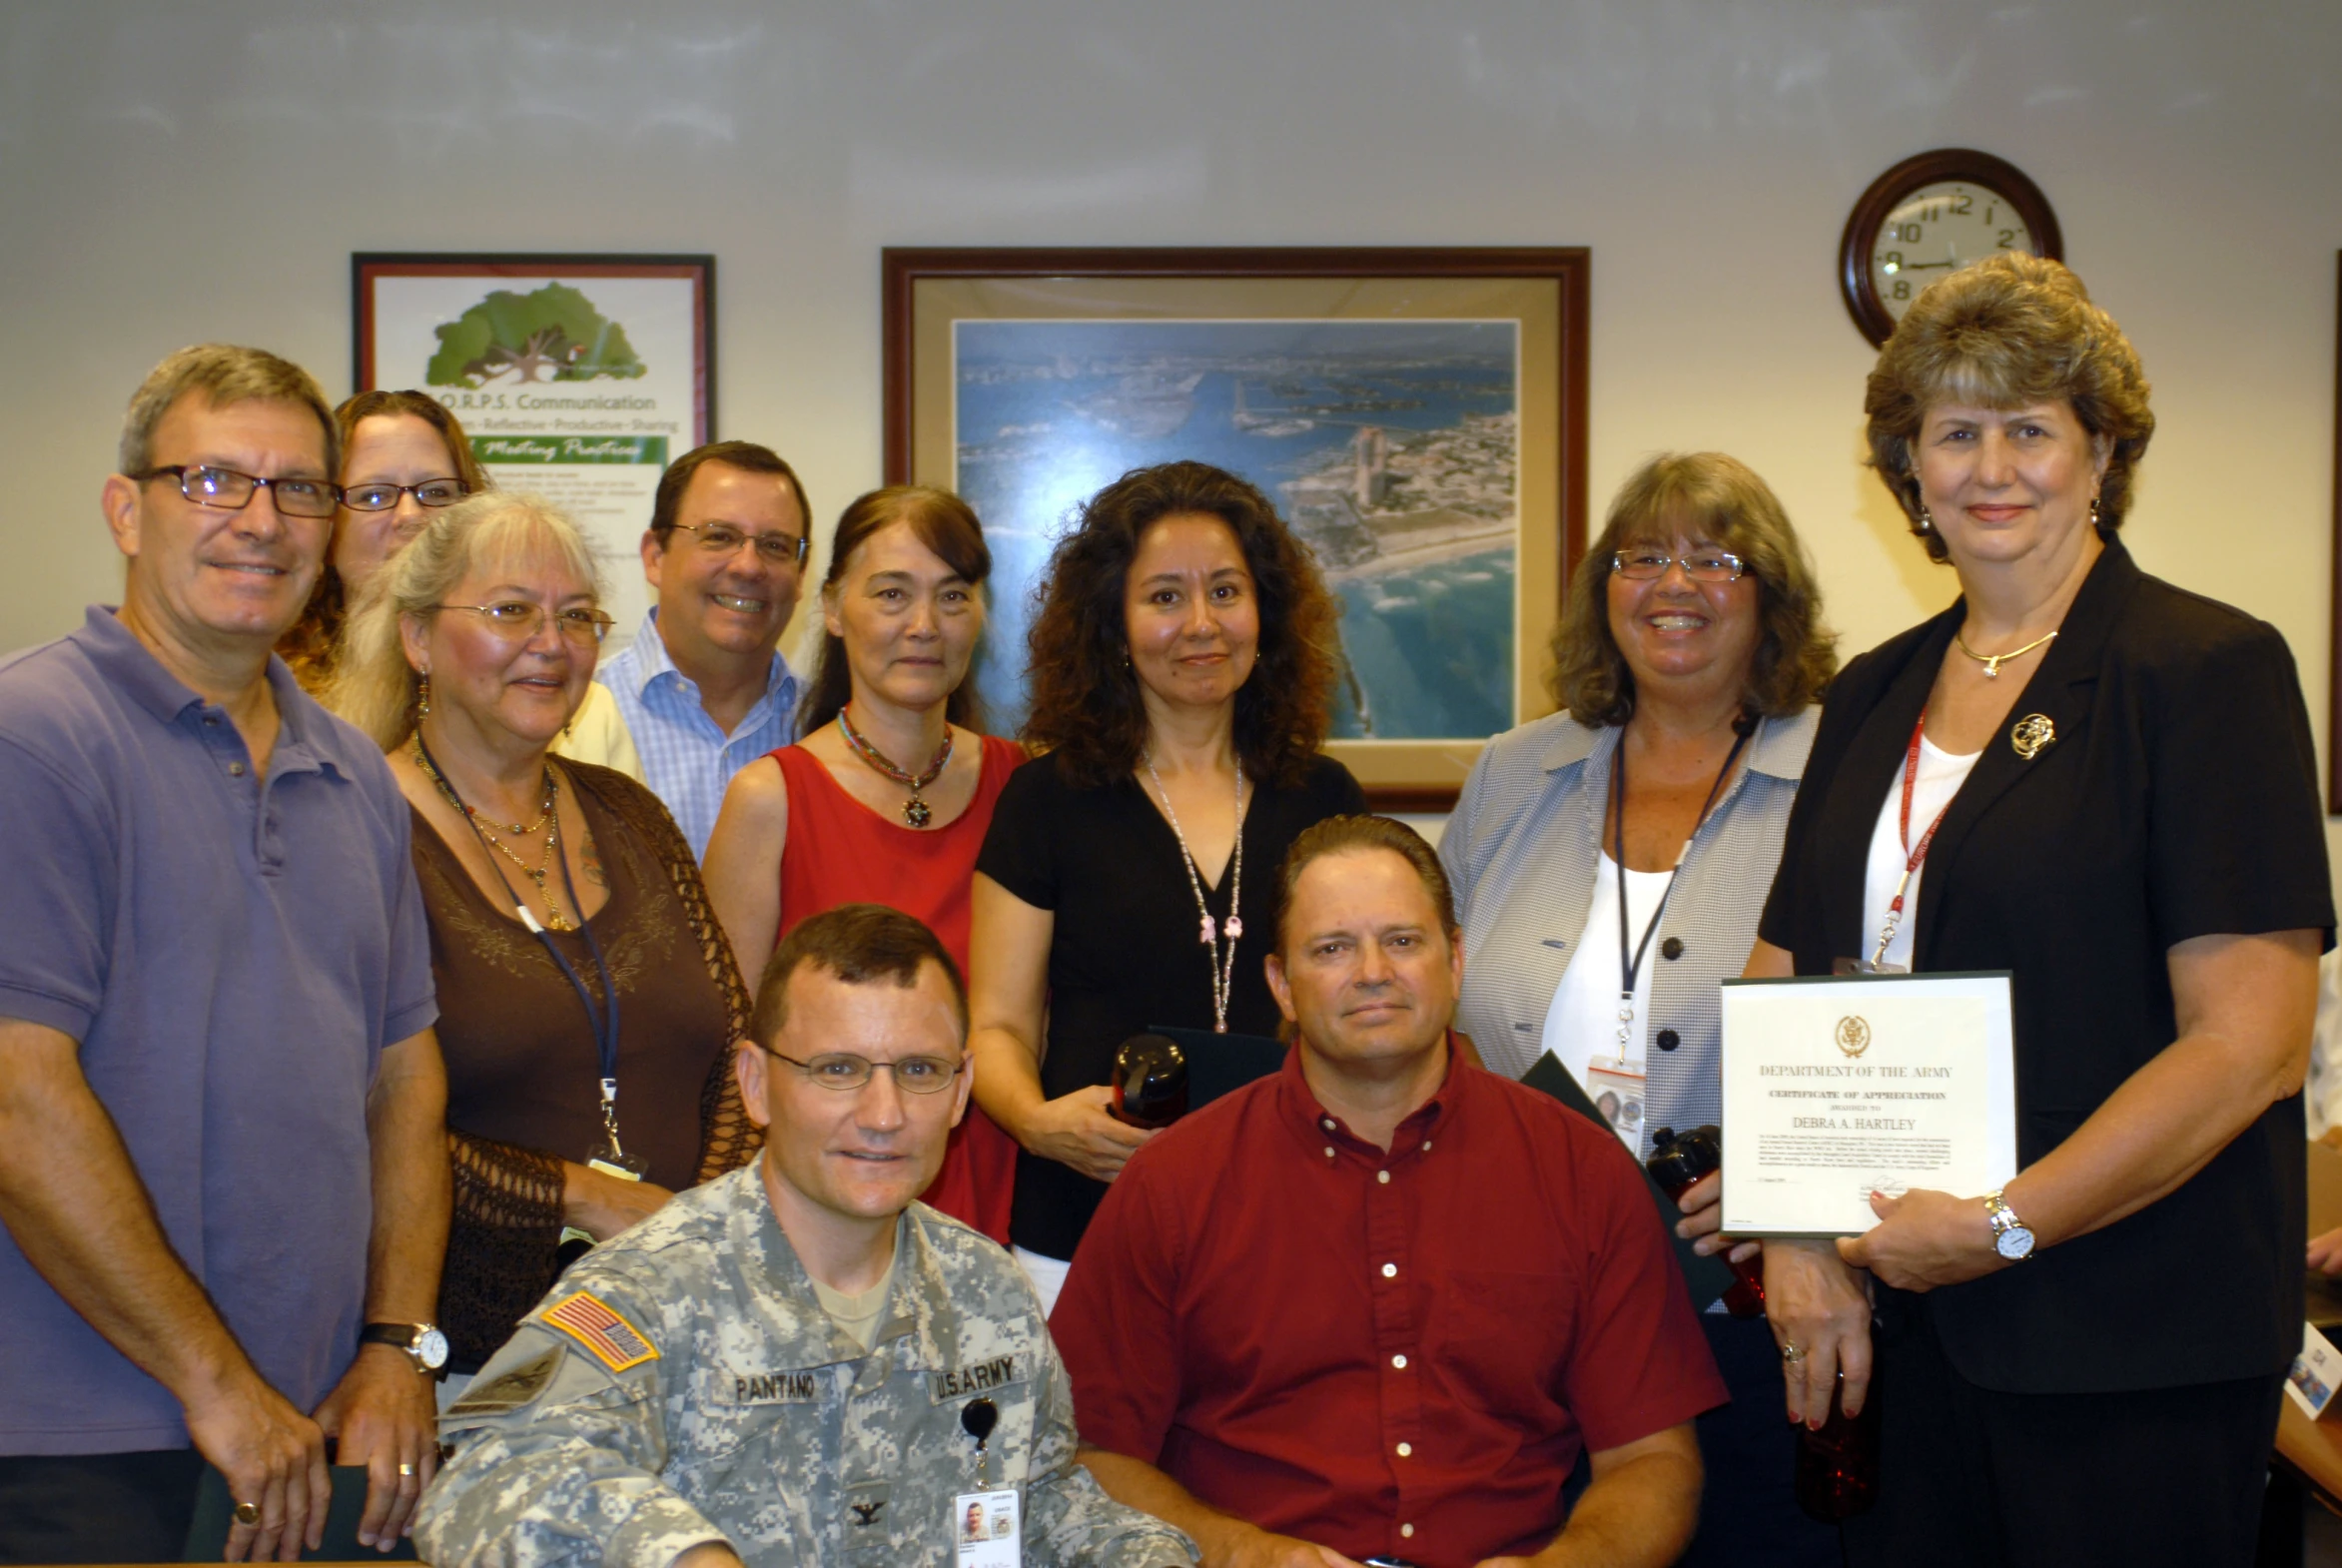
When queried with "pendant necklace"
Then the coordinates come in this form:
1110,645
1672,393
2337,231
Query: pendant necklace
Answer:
915,811
1224,968
1994,661
546,818
1630,959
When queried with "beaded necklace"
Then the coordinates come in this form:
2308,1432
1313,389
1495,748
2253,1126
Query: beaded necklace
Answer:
1224,968
915,811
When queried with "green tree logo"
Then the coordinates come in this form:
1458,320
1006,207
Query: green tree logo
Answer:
555,334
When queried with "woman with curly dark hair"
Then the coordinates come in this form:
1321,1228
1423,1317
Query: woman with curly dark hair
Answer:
1182,671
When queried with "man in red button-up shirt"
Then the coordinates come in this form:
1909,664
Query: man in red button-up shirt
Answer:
1375,1304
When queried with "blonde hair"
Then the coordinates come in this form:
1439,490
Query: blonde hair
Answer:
1720,498
2008,332
374,686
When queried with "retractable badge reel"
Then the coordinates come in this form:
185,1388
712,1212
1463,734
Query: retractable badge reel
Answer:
610,1156
987,1530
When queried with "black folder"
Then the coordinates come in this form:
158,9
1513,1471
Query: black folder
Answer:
207,1537
1707,1277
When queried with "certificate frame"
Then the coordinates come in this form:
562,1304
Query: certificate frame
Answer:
578,376
1894,1087
1124,300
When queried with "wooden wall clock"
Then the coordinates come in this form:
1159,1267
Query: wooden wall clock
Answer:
1928,216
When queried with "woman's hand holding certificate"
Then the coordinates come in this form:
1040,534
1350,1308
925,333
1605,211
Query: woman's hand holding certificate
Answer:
1924,1239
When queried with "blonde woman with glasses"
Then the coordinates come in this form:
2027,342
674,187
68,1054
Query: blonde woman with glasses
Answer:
587,1000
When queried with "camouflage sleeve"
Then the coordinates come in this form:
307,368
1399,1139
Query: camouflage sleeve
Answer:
557,1461
1068,1520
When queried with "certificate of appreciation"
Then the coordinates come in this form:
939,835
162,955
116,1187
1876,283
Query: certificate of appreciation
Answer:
1837,1087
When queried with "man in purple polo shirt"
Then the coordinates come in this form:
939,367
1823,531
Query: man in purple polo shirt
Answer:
220,1104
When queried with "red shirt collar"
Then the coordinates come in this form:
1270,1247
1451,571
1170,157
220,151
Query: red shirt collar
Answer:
1315,1126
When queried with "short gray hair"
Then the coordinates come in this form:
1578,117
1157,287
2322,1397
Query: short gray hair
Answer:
224,374
374,686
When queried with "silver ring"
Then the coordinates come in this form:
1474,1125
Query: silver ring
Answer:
1792,1351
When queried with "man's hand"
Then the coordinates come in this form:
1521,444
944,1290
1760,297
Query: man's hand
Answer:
272,1456
1924,1239
603,1206
383,1415
1259,1549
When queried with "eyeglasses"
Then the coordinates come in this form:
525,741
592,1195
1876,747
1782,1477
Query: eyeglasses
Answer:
516,620
721,538
384,495
232,491
1699,565
841,1070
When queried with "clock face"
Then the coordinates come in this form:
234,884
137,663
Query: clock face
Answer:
1935,230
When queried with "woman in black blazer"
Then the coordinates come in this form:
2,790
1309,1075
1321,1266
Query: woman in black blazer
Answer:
2129,823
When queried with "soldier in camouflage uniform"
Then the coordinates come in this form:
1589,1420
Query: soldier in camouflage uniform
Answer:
697,1390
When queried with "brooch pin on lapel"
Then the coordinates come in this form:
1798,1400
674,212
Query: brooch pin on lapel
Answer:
2031,734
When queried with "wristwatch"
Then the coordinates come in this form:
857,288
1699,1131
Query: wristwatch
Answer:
424,1341
2012,1238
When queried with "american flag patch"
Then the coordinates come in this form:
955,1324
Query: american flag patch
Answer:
615,1342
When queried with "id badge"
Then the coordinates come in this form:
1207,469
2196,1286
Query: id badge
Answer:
1616,1086
987,1530
1864,966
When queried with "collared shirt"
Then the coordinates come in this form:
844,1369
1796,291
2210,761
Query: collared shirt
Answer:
1522,851
684,1385
687,760
231,951
1397,1354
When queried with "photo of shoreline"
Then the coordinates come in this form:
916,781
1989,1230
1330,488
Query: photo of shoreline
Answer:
1390,446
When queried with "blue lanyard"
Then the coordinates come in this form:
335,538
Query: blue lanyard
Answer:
1630,961
604,1018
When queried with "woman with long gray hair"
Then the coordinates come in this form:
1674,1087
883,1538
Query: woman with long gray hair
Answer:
587,1000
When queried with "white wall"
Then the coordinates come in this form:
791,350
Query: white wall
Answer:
173,172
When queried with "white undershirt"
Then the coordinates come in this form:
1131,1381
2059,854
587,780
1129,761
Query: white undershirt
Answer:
1939,776
1582,1023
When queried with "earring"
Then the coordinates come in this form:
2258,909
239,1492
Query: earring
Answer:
422,695
1927,523
2094,512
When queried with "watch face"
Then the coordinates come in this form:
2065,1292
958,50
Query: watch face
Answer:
430,1348
2014,1243
1937,230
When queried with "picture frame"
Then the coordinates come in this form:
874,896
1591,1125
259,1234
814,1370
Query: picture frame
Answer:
1377,395
576,376
2334,603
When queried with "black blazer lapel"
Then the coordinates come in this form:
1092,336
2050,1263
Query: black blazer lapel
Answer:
2062,692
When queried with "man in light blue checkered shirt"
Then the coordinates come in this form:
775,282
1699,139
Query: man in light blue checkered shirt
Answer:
703,687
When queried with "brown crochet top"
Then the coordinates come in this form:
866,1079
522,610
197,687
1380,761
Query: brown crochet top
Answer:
522,1091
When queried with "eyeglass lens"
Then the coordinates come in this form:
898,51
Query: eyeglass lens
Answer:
232,491
384,495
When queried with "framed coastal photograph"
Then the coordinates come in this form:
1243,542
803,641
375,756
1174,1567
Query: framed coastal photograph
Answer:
1418,417
578,377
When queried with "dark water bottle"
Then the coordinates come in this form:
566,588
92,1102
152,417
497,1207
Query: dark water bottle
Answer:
1838,1465
1150,1082
1677,1161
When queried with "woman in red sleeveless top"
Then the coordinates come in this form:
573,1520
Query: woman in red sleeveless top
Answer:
887,798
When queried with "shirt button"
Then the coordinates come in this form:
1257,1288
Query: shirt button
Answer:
1406,1450
236,770
212,718
1390,1270
1407,1530
1667,1040
1382,1176
1329,1150
1671,949
1426,1145
1326,1123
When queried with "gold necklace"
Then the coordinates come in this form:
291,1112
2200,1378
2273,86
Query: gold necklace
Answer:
547,818
1993,661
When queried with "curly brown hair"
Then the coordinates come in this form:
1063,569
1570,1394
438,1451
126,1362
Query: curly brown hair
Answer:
2008,332
311,646
1720,498
1086,697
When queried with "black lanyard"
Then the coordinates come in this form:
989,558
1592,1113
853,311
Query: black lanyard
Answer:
602,1018
1630,962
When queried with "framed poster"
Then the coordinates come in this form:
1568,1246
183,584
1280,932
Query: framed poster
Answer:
576,376
1418,416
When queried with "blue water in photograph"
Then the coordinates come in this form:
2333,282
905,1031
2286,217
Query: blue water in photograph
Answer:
1390,446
